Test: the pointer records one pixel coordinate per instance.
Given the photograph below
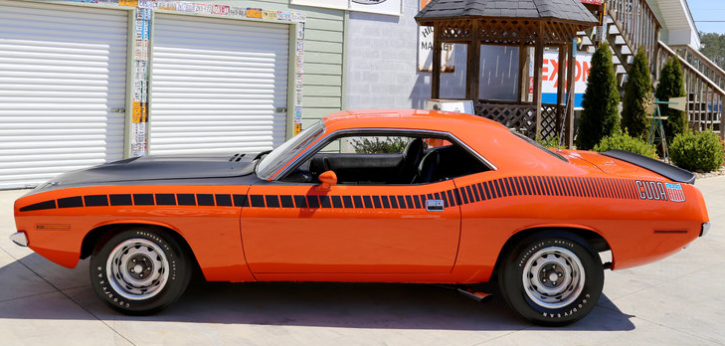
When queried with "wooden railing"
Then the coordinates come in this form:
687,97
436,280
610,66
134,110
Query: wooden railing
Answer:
638,26
703,85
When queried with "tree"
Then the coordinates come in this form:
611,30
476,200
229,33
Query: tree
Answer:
671,85
636,94
713,47
600,117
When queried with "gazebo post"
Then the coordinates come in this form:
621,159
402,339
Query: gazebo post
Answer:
473,66
570,83
538,67
523,91
435,83
561,89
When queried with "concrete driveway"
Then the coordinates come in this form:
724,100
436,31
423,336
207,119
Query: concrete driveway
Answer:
677,301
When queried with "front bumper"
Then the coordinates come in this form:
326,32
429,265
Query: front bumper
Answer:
705,229
20,239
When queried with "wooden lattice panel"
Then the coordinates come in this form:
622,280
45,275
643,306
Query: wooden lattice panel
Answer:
521,118
458,29
497,31
550,121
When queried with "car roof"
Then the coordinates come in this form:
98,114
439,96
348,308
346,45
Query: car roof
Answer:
407,119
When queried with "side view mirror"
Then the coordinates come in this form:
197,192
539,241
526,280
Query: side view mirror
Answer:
328,178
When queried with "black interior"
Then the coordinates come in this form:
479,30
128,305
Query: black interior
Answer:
415,165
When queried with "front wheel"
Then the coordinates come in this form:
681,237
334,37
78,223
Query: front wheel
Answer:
552,278
140,271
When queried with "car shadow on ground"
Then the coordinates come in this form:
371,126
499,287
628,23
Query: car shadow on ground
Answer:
337,305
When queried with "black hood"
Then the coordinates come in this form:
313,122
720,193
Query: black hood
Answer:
166,167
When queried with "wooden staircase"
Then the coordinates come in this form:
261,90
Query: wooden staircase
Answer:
631,24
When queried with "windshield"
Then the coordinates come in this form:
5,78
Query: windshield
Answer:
534,143
285,152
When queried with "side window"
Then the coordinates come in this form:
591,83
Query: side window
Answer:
388,160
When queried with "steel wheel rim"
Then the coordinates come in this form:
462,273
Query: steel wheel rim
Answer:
137,269
553,277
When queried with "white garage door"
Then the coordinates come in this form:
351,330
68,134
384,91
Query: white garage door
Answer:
62,90
217,85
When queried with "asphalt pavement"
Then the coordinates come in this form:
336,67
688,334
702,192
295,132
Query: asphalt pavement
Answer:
677,301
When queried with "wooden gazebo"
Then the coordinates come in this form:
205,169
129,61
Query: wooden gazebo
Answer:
522,23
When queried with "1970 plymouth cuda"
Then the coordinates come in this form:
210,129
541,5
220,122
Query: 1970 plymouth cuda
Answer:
370,196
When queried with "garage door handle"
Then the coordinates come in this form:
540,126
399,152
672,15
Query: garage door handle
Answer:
117,110
434,205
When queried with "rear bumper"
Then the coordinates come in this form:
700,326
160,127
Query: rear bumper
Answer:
20,239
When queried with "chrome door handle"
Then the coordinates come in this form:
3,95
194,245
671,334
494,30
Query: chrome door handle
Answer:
434,205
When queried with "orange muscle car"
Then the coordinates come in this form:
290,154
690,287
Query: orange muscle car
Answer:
370,196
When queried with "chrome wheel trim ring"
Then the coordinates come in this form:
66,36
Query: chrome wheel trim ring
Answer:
137,269
553,277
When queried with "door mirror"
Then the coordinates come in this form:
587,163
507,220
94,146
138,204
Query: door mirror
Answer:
327,178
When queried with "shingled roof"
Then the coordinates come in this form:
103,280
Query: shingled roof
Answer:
564,10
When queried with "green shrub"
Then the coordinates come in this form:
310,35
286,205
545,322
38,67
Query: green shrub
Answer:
550,142
379,145
623,141
636,93
701,151
672,84
600,117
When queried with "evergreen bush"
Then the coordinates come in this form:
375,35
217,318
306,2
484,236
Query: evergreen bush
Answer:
700,151
623,141
600,117
636,94
671,85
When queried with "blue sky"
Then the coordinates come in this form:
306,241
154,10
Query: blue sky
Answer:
708,10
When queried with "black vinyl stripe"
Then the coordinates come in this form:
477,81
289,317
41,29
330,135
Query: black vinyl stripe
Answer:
167,199
564,187
554,185
505,188
620,191
368,202
401,202
416,198
286,201
222,200
325,201
96,200
519,186
41,206
143,199
475,192
499,190
444,197
336,202
189,199
597,189
490,191
257,200
70,202
272,201
409,201
118,200
347,202
205,199
393,202
539,186
527,182
516,187
376,202
463,194
300,201
358,202
386,202
572,184
480,191
451,200
313,201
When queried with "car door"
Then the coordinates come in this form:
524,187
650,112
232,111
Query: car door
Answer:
301,228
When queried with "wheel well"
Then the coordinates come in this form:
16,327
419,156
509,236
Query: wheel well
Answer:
597,242
103,233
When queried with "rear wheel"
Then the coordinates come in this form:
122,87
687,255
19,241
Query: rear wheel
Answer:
140,271
552,278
